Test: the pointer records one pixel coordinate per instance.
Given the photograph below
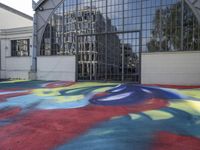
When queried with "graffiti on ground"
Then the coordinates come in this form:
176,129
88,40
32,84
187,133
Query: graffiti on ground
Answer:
39,115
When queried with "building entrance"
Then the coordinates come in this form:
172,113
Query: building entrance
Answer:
109,57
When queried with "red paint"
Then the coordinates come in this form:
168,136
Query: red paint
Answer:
43,130
59,84
175,86
5,114
170,141
100,94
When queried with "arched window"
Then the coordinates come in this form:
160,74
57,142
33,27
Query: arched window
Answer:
167,25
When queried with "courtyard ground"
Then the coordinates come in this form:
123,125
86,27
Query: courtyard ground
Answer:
46,115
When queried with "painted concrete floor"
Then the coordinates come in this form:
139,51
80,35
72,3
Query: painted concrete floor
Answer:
38,115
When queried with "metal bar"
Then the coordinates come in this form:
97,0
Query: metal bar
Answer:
34,49
120,32
123,52
106,42
0,59
140,48
50,37
77,54
182,23
160,26
63,24
90,42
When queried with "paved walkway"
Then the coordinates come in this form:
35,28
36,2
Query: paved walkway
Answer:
38,115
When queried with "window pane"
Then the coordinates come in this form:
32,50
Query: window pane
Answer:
20,47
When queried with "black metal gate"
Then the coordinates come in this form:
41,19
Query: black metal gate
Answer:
109,57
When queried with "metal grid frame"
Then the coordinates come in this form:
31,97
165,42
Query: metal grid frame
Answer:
115,20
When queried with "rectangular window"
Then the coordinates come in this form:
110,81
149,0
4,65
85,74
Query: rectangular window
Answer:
20,47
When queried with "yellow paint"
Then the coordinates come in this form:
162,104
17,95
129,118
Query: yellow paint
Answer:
134,116
158,115
190,106
85,85
46,92
64,99
14,81
55,91
193,93
102,89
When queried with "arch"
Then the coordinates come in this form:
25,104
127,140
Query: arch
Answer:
48,7
195,7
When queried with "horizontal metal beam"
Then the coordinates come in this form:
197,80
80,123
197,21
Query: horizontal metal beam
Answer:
104,33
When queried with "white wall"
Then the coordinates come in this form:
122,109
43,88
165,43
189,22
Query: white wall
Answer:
176,68
56,68
10,20
14,67
17,67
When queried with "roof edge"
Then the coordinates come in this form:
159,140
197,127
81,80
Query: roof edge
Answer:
15,11
37,5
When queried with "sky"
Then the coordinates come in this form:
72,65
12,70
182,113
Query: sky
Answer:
24,6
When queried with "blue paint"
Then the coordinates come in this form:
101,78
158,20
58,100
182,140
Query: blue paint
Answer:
125,133
138,94
24,84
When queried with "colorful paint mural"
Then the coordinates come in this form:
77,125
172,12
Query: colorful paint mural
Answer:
39,115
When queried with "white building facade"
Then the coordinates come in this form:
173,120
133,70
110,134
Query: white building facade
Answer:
15,43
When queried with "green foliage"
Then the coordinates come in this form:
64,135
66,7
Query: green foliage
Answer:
166,35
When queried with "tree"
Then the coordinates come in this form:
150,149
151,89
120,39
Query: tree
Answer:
166,35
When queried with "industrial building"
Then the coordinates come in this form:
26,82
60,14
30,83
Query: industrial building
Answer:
140,41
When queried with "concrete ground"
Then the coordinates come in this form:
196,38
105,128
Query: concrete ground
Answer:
38,115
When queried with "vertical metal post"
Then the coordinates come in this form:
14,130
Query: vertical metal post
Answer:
33,69
63,23
123,53
89,40
0,57
123,58
140,43
160,27
34,49
92,43
182,23
51,47
77,55
106,43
